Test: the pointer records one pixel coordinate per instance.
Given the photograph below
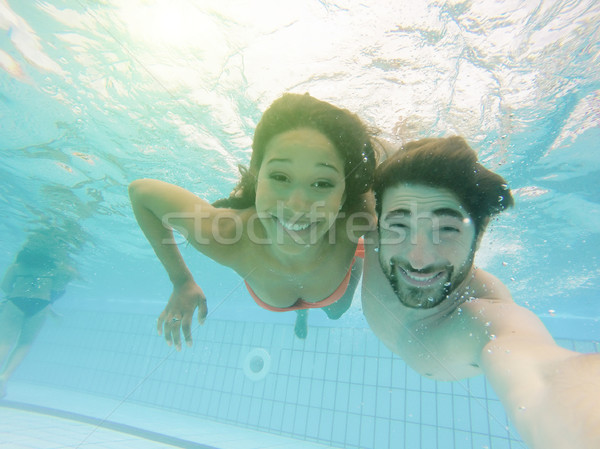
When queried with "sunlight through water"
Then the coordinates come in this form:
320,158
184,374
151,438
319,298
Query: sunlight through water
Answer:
96,94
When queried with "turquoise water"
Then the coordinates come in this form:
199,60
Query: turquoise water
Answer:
96,94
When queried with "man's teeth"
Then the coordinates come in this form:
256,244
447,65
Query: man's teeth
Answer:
294,226
421,277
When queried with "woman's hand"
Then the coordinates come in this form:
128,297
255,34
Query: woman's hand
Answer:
179,313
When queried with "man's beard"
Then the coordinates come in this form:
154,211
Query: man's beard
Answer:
425,297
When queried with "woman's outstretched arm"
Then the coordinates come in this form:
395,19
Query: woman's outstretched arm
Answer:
158,208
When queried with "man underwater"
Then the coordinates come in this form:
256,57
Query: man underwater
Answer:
448,320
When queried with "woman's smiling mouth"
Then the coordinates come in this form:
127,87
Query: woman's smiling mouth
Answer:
293,225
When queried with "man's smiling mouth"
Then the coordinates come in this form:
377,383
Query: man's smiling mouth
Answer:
421,279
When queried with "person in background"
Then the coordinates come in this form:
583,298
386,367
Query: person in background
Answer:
38,277
290,228
428,303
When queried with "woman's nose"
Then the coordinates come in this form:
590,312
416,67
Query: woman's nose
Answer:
298,201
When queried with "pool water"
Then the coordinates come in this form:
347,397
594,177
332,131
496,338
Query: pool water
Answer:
96,94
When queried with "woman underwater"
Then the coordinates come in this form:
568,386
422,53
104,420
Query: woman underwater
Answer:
36,279
300,209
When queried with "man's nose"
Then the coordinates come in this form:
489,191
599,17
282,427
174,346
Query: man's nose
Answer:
421,251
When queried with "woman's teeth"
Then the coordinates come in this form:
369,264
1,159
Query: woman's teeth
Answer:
294,226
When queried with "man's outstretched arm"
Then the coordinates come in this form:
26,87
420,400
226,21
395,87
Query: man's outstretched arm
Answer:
551,394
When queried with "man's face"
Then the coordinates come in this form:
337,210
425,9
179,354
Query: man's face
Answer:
426,243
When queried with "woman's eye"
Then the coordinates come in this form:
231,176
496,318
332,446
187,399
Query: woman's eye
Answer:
323,184
278,177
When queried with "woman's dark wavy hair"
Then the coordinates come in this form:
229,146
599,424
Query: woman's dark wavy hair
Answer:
448,163
344,129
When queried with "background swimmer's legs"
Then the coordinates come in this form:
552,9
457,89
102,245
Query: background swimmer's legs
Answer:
301,326
11,319
28,332
338,308
335,310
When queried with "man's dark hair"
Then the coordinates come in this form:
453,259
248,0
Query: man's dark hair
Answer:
451,164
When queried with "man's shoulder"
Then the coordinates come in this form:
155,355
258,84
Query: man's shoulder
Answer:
486,286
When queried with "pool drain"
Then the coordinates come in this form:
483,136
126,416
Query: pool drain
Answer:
257,364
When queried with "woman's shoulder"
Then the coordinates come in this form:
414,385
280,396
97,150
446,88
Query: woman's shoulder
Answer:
232,238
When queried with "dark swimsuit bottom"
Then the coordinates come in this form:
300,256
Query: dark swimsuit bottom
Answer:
29,306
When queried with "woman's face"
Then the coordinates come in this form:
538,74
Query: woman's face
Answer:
300,187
